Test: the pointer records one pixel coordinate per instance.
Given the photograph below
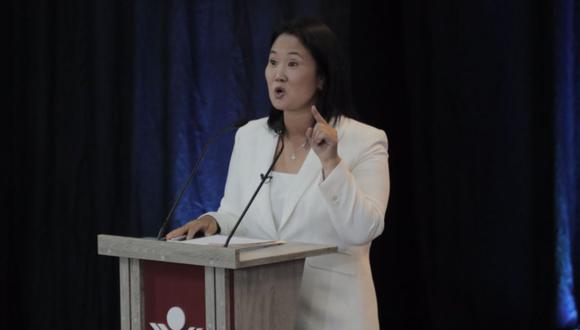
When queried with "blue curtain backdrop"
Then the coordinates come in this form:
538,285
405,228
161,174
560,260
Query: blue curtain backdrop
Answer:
112,101
198,68
567,183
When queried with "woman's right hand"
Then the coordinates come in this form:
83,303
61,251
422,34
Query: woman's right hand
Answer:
206,224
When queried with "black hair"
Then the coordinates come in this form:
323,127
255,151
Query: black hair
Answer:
334,99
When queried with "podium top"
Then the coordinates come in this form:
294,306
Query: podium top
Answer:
203,255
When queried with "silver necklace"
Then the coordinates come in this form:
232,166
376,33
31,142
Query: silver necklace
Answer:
302,146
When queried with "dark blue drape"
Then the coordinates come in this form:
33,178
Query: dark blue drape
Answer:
112,101
567,185
198,68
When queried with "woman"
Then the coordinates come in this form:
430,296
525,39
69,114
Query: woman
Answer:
330,184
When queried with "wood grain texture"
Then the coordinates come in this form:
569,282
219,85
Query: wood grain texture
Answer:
125,293
214,256
210,316
266,297
280,253
148,249
222,298
137,316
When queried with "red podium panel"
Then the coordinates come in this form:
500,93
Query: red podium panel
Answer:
170,285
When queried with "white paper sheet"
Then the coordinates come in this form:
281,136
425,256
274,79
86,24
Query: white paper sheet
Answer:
236,241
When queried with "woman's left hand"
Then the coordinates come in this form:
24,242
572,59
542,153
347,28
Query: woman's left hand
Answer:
323,140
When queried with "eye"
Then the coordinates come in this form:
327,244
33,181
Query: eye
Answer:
293,64
272,62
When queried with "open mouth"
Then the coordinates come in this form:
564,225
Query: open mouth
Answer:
279,92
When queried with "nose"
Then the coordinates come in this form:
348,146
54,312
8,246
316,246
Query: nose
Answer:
280,74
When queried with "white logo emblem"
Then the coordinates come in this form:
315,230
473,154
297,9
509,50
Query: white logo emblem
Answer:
175,320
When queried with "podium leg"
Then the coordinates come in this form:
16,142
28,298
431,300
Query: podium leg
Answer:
218,292
136,294
222,294
131,292
125,291
210,320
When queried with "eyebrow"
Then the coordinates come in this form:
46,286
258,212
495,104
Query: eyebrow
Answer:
290,53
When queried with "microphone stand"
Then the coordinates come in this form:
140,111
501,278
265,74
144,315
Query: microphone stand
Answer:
193,171
264,178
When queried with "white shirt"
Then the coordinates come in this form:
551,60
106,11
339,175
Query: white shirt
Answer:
279,194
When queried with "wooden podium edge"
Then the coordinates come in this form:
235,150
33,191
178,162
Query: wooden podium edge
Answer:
200,255
154,250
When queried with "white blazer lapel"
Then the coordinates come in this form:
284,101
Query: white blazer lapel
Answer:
310,170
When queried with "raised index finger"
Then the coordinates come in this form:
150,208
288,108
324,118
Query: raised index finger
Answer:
317,116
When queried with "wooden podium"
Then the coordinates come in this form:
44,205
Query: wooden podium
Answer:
171,285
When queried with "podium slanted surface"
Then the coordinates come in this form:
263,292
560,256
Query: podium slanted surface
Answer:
195,287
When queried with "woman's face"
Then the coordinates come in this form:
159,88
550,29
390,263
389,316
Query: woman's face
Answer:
291,75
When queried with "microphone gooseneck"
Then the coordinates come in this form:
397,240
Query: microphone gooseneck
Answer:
165,223
263,177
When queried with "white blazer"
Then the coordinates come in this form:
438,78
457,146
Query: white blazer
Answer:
347,209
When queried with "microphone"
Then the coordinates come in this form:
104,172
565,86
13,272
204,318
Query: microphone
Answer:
236,125
263,178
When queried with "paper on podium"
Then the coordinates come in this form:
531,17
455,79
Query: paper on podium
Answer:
235,242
